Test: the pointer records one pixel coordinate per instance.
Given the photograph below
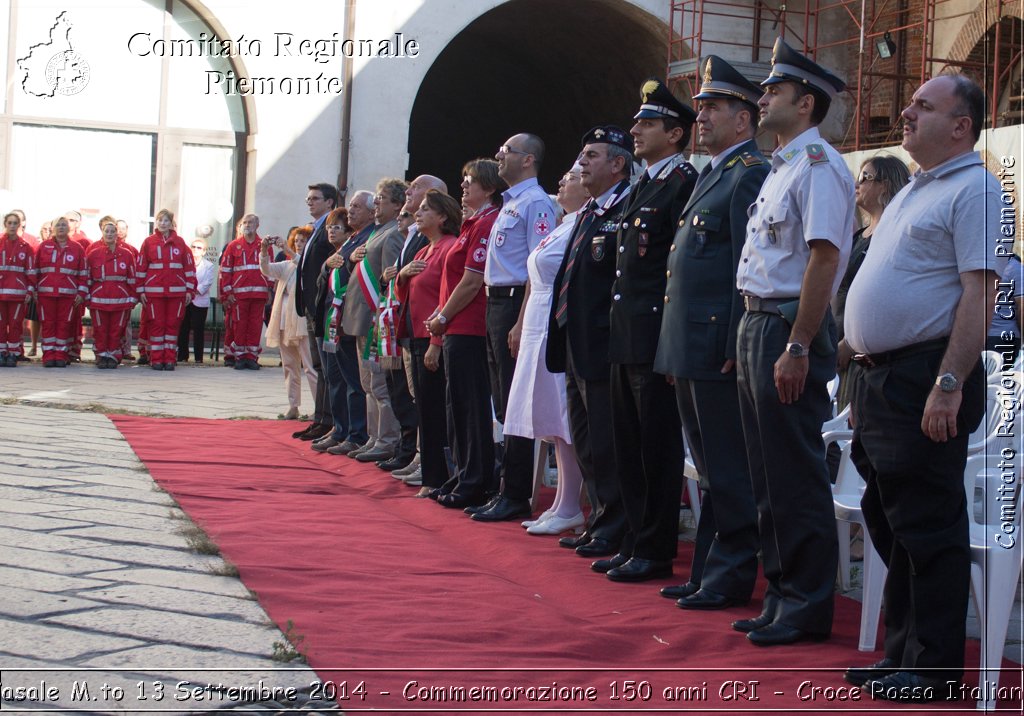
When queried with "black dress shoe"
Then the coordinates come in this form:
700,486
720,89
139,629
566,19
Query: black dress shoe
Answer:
777,634
640,570
504,509
603,565
749,625
456,501
395,463
575,541
708,600
317,431
597,547
683,590
860,675
487,504
908,687
299,433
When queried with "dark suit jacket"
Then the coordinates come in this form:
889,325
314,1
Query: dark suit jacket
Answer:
317,251
702,304
589,297
645,236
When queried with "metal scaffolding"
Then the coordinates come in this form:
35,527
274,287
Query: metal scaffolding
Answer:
885,49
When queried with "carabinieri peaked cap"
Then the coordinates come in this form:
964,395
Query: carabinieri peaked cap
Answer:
720,79
609,134
657,101
788,65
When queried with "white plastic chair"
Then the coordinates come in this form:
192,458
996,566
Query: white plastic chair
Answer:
988,439
992,361
995,559
846,494
692,486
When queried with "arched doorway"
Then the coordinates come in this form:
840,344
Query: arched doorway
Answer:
582,64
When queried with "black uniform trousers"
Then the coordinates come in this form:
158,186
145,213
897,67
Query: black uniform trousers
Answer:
194,324
429,386
517,459
405,411
648,459
589,406
726,560
915,509
321,403
786,456
468,402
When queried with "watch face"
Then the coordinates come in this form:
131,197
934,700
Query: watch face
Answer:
948,383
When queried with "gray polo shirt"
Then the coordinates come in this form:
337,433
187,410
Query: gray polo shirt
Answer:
943,223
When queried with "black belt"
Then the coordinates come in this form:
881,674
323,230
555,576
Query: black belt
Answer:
753,304
874,360
505,291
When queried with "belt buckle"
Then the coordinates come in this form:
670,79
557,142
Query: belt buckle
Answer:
863,359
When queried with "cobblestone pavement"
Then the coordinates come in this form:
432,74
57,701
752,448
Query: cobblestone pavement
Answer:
104,605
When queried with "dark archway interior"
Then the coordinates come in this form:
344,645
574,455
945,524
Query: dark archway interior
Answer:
552,68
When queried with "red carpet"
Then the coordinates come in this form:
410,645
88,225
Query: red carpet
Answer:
413,600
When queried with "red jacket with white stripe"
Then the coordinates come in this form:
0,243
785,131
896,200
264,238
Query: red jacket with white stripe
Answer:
60,271
17,269
240,274
111,278
165,268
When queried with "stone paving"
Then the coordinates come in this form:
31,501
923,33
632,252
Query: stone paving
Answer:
104,606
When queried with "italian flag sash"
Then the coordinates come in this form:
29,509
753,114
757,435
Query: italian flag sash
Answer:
332,321
386,325
370,288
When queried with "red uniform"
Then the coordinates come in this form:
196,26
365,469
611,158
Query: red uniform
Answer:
61,278
112,293
166,275
17,283
126,337
77,330
242,283
229,316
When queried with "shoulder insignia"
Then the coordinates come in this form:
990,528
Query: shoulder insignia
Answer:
729,164
749,160
816,154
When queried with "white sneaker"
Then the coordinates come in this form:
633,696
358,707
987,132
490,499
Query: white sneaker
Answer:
414,479
556,525
546,514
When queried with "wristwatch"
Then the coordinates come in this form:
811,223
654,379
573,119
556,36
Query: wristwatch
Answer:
947,383
797,350
441,319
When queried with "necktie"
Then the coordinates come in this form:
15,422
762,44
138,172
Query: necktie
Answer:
703,175
585,222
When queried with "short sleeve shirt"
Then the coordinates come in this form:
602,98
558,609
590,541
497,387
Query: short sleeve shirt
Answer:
945,222
468,253
527,216
807,196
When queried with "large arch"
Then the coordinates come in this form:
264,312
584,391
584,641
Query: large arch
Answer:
582,62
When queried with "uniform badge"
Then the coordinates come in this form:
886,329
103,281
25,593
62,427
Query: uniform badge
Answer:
642,244
122,266
696,220
610,225
637,222
816,154
21,256
597,248
174,251
499,240
542,225
69,259
479,254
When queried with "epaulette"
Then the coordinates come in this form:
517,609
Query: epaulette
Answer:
816,154
686,169
749,160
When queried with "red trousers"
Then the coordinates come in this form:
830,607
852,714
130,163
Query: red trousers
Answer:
144,332
56,314
165,314
247,323
229,331
108,332
12,323
77,332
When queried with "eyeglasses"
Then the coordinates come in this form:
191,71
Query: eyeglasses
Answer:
865,177
199,248
505,149
404,215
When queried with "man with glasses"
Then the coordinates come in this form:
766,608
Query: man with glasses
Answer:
244,291
527,216
320,199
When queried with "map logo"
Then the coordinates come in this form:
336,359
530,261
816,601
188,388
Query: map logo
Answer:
54,67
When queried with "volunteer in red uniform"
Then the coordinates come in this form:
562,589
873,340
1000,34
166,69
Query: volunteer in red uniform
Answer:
60,287
244,292
126,340
17,283
110,270
166,275
77,330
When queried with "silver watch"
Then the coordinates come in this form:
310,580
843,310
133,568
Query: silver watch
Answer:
441,319
947,383
797,350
